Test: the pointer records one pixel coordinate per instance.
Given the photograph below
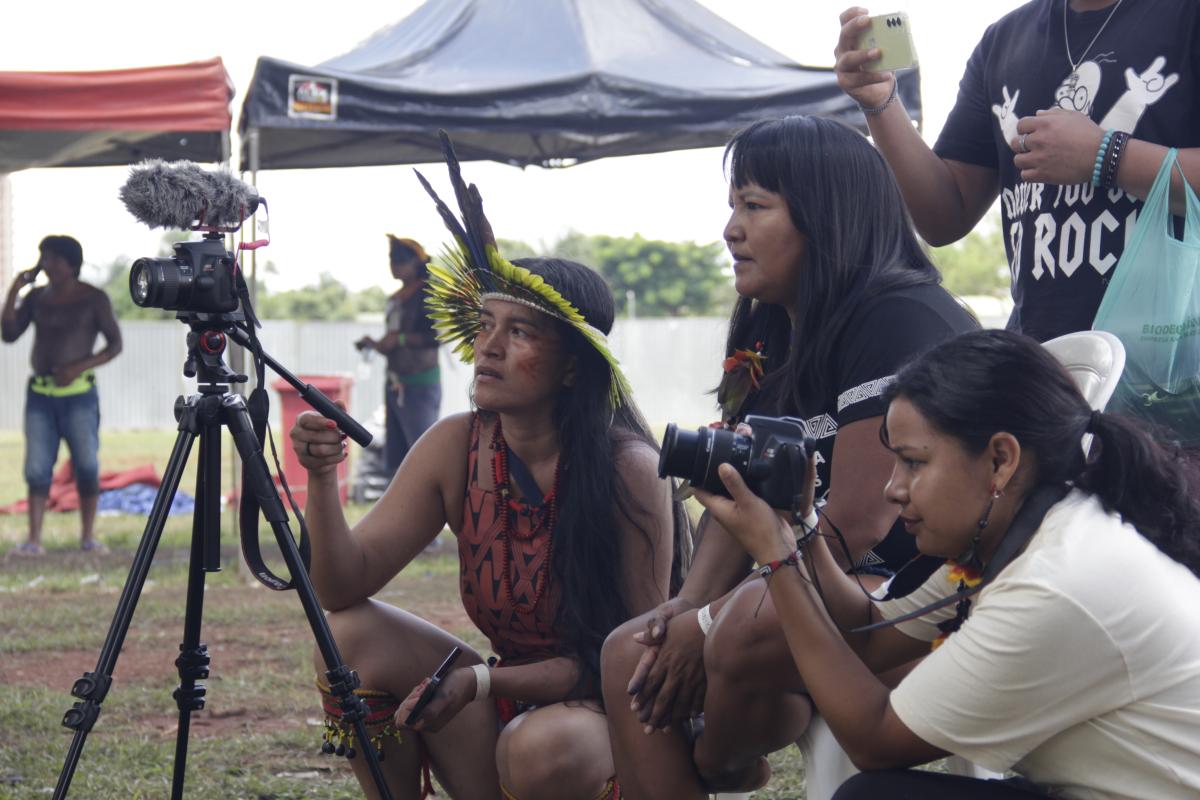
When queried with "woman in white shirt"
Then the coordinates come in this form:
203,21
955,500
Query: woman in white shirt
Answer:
1077,665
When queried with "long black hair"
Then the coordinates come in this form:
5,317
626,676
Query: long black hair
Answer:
859,243
586,561
985,382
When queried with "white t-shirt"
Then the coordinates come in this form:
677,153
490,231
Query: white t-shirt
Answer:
1078,668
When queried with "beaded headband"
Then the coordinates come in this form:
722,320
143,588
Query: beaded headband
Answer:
472,271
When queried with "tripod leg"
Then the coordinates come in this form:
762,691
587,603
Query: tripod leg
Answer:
193,659
93,686
342,680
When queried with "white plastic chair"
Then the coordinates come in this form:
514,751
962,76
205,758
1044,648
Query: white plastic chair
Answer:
1095,359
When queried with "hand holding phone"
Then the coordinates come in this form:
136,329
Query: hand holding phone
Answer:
30,275
431,688
890,33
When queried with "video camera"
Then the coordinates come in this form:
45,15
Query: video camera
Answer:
773,460
201,277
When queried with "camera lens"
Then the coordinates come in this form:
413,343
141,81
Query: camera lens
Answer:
679,452
139,285
159,283
696,456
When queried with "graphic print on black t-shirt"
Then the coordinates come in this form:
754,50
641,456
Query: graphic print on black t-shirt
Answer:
1070,223
1139,77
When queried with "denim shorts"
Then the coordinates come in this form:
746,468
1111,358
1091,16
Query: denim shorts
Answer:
48,420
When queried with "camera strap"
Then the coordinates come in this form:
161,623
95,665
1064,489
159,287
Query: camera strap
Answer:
258,406
913,574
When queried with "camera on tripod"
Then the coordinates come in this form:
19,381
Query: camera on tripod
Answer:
773,460
203,283
200,277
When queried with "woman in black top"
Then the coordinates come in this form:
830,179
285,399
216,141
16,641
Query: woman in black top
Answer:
835,295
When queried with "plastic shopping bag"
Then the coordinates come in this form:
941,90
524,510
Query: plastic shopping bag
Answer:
1153,306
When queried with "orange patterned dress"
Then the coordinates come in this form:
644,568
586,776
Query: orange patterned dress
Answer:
509,599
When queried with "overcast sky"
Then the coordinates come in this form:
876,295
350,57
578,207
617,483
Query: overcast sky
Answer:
334,220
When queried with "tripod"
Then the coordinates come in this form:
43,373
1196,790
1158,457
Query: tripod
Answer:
202,416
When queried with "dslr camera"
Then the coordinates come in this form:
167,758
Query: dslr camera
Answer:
773,460
200,277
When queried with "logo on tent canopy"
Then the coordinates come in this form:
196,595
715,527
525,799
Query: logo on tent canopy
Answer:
310,97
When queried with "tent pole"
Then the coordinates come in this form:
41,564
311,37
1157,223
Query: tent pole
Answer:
252,141
6,229
237,360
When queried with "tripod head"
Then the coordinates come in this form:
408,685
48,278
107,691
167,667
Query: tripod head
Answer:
206,343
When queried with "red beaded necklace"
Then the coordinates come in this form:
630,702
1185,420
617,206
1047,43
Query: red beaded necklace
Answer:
505,506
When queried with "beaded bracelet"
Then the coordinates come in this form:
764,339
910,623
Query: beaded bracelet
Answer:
873,110
1100,154
771,567
1112,160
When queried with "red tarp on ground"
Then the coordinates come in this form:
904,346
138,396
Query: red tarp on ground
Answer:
64,497
50,119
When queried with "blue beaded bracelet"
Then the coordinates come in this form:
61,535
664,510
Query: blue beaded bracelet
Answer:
1098,168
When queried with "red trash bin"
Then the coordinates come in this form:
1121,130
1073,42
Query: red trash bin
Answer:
335,387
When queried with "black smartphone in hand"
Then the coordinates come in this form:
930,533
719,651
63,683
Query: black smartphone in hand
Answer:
427,694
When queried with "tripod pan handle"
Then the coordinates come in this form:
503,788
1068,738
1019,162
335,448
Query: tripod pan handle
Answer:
315,398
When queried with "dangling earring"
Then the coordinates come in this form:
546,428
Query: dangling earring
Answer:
970,556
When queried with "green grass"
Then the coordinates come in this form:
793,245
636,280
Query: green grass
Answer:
256,738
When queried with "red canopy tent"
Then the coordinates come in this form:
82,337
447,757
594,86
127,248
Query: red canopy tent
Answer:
77,119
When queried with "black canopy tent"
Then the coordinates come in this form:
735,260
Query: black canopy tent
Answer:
548,82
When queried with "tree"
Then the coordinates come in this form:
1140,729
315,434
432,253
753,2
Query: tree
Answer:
660,278
328,300
975,265
514,248
663,279
372,300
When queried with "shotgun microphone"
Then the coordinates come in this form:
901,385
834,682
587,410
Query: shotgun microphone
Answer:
184,195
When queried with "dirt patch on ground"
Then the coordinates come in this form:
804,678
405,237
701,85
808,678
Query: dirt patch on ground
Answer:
150,661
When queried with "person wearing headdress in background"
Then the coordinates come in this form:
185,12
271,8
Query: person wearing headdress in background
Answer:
413,392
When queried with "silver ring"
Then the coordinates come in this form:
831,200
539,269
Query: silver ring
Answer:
308,449
1021,143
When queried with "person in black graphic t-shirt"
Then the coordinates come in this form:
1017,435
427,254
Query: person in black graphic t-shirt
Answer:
835,295
1040,91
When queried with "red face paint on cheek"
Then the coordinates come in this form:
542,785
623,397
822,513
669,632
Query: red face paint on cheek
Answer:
531,367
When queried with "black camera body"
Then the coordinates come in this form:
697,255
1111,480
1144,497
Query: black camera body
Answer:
773,461
200,277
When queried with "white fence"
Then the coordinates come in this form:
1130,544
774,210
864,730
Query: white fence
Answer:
672,363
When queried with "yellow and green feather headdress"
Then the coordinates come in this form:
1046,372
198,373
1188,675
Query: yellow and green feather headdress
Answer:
473,271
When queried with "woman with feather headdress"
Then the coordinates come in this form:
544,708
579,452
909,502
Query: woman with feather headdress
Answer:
564,531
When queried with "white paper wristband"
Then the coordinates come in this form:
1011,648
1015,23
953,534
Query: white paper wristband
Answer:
704,617
807,527
483,681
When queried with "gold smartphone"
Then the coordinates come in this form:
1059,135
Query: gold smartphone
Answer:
891,34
